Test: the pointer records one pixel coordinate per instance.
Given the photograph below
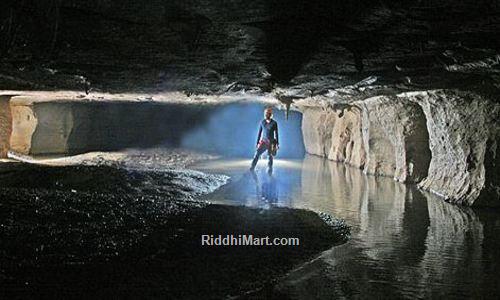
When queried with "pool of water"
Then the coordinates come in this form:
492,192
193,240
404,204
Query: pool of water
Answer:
404,243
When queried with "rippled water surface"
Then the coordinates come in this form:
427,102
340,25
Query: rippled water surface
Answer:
405,243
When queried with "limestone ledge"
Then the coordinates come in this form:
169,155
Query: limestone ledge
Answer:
445,141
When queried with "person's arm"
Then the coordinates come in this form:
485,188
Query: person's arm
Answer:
259,134
277,139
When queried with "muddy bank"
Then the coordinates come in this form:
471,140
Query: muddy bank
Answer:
103,231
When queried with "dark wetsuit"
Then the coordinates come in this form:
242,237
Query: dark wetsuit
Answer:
268,135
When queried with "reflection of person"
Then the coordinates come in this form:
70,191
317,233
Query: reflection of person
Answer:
270,190
267,140
266,192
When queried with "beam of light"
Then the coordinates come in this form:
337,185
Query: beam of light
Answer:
255,189
242,164
231,131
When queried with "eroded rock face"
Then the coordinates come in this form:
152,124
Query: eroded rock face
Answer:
447,141
463,136
24,123
395,138
335,134
72,127
347,139
5,125
317,126
382,135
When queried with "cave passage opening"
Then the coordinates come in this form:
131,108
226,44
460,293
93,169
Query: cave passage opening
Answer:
227,130
231,131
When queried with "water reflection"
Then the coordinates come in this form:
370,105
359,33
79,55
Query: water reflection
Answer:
405,243
267,190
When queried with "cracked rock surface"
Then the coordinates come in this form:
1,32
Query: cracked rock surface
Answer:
446,141
208,47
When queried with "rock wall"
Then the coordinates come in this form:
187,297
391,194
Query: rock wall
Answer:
347,138
335,134
382,135
24,123
395,138
464,130
446,141
71,127
5,125
54,126
317,126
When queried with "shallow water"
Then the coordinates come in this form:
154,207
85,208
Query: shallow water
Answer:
119,232
405,243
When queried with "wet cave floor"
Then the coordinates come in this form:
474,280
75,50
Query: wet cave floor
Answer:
133,230
105,230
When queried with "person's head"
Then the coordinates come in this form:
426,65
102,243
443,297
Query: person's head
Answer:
268,113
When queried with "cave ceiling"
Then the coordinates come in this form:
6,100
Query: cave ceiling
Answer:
299,48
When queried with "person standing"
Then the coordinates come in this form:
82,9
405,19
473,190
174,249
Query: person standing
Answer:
267,140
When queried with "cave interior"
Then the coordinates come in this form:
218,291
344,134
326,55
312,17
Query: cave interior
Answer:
406,91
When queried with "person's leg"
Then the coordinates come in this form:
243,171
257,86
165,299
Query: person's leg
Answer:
256,157
269,162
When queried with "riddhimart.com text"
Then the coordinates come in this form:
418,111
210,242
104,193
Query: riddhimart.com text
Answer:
247,240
